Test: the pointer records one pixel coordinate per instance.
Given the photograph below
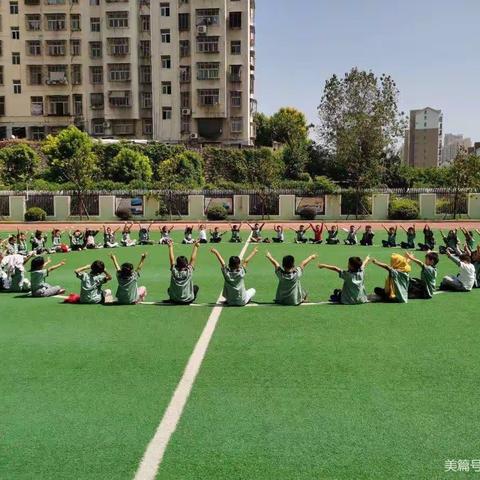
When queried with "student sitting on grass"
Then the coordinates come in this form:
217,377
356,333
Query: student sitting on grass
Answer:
289,290
128,291
188,236
256,232
109,240
367,237
38,242
13,267
398,281
144,234
465,280
475,256
317,233
280,235
235,231
425,286
332,238
411,235
11,245
165,238
182,291
391,240
38,273
202,234
90,240
451,242
77,240
300,234
351,235
353,291
22,247
216,235
429,240
91,283
469,238
127,241
234,291
57,244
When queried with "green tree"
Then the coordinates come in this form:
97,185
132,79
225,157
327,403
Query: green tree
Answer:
182,171
295,158
289,126
129,165
360,121
71,159
19,162
263,126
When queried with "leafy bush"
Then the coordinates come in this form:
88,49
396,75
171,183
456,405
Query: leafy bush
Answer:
123,213
217,212
354,203
308,214
35,214
403,209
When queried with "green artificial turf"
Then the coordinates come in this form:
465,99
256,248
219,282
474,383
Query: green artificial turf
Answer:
313,392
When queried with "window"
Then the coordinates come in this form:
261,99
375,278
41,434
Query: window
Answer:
235,73
147,127
235,47
58,105
117,19
207,44
208,71
235,19
2,106
57,74
1,47
37,133
98,126
166,113
75,47
34,48
96,75
123,127
17,87
144,48
146,100
95,49
209,97
166,88
119,72
165,35
185,124
166,61
96,101
184,22
118,47
236,99
77,104
36,106
75,24
1,74
236,125
119,99
145,23
56,48
94,24
14,8
55,22
145,74
55,2
94,3
184,48
164,9
76,73
185,75
35,74
33,22
185,99
208,16
15,58
15,32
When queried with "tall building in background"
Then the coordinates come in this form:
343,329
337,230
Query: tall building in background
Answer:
174,71
424,138
451,146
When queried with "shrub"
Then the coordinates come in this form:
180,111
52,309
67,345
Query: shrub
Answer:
124,213
308,214
353,203
35,214
217,212
403,209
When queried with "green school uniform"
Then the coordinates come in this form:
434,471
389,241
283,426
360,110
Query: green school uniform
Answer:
392,239
429,279
353,291
144,235
127,291
471,243
401,282
37,280
76,241
22,247
289,290
91,287
18,282
235,236
181,285
411,240
477,274
234,286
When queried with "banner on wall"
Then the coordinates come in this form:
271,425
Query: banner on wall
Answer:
317,203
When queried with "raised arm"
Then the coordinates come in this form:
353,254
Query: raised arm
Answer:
381,265
261,226
385,228
54,267
116,230
193,258
250,257
307,261
171,254
82,269
115,262
333,268
141,262
219,257
414,259
108,277
272,260
403,228
366,262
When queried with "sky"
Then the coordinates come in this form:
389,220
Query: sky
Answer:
430,47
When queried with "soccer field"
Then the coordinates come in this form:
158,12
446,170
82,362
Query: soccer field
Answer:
378,391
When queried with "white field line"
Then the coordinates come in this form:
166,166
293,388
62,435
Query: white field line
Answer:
155,451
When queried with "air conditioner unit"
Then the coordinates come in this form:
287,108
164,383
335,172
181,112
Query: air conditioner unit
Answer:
202,29
186,112
194,136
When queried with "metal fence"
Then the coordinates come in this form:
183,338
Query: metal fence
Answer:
356,205
175,203
85,205
4,206
43,201
449,203
264,204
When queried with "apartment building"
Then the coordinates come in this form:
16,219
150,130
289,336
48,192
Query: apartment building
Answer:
423,139
172,71
452,144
